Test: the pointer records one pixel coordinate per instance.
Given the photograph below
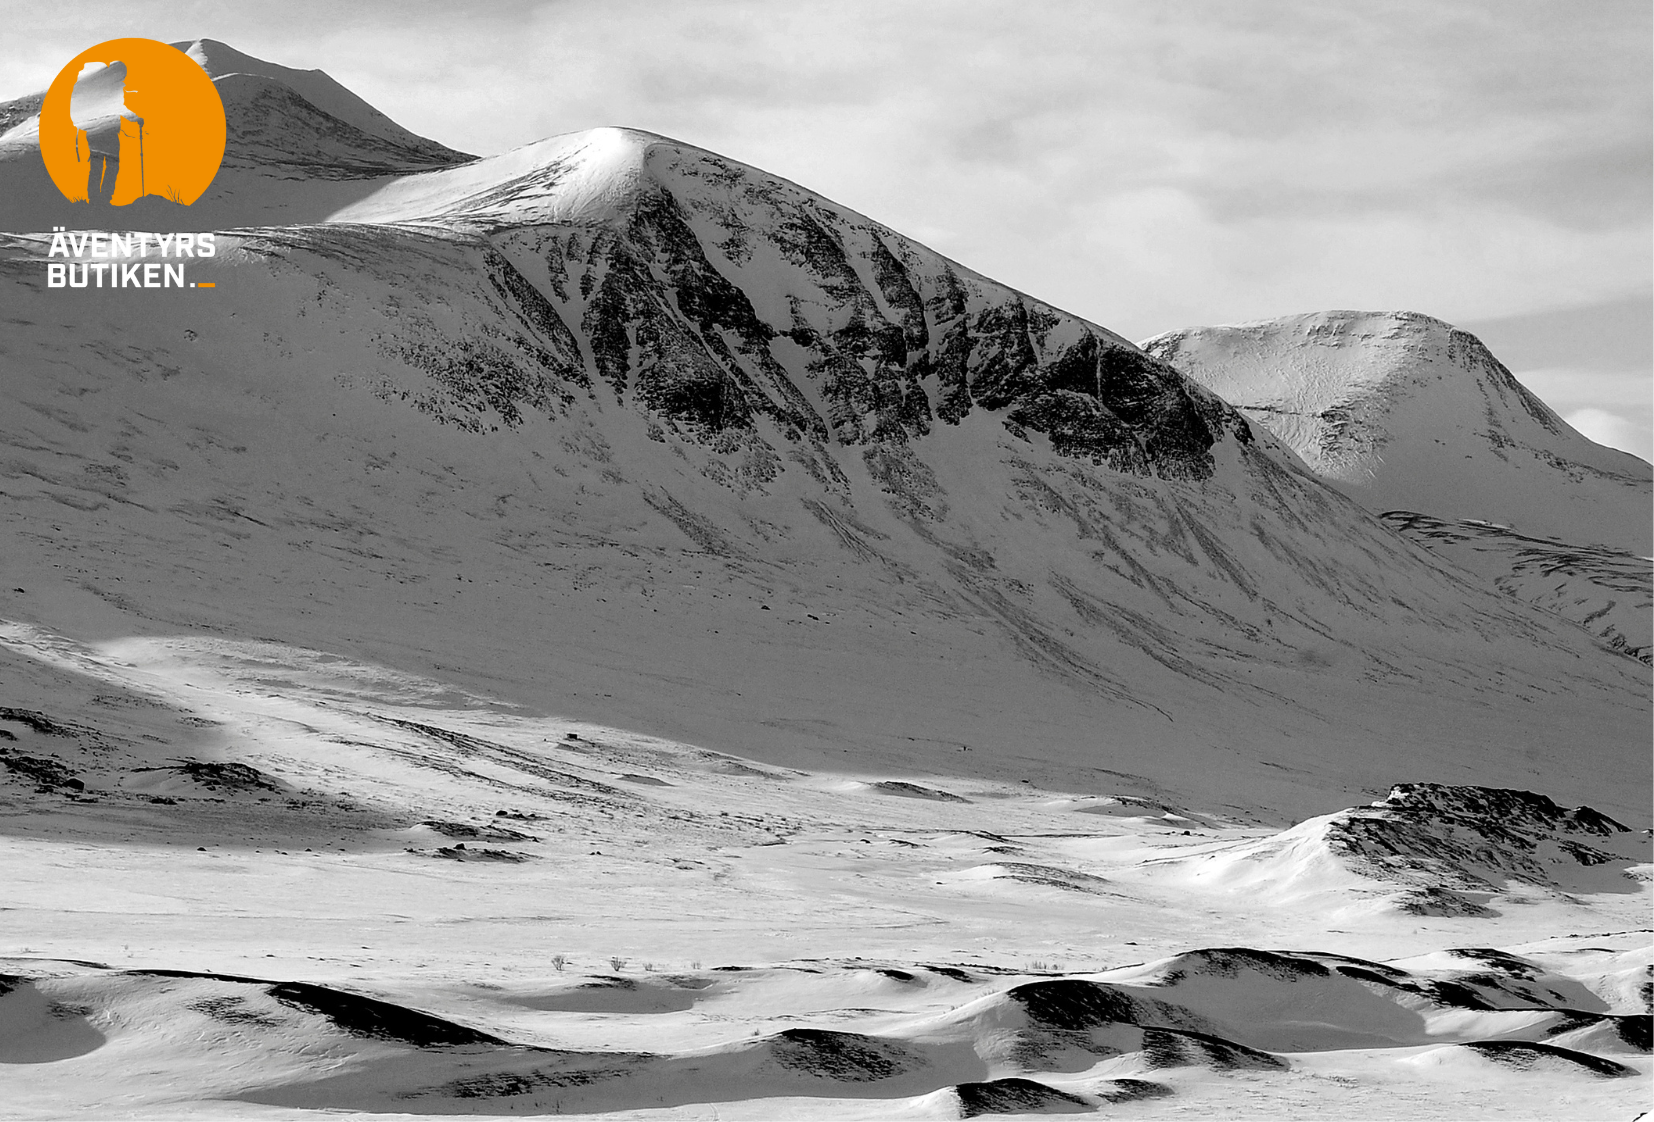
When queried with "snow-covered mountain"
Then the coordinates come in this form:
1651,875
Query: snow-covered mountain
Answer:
299,147
518,585
1405,412
689,442
320,95
1418,422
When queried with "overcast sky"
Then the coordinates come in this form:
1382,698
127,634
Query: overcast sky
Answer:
1148,164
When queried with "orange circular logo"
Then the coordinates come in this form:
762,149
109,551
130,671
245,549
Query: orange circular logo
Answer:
131,118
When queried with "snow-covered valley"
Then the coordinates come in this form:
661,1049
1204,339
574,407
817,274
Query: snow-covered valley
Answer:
561,917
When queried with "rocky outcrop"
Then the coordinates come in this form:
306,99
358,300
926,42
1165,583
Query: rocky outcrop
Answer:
1444,838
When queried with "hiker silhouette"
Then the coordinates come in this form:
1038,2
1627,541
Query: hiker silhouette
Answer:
132,118
104,138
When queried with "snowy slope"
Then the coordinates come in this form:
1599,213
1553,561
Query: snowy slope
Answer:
1422,425
857,512
1609,592
1405,412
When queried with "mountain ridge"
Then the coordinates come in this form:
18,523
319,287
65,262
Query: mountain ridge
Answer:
316,87
704,387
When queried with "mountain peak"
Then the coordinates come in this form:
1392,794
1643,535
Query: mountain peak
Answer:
318,88
1317,361
586,175
299,146
1407,412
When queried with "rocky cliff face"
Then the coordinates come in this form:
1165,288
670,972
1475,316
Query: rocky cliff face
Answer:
713,295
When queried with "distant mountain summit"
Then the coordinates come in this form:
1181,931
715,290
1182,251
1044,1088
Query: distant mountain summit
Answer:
299,146
324,95
1404,412
1417,421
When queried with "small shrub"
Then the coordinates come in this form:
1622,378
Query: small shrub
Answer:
559,961
618,964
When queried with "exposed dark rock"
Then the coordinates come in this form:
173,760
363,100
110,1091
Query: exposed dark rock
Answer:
461,853
1050,876
1443,841
847,1057
39,722
48,774
228,774
915,791
379,1020
482,833
1231,962
1181,1048
1015,1096
1523,1056
233,1010
1517,809
1071,1003
894,338
1132,1090
1431,900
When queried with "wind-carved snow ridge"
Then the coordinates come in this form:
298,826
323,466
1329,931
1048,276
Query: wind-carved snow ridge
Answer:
586,176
